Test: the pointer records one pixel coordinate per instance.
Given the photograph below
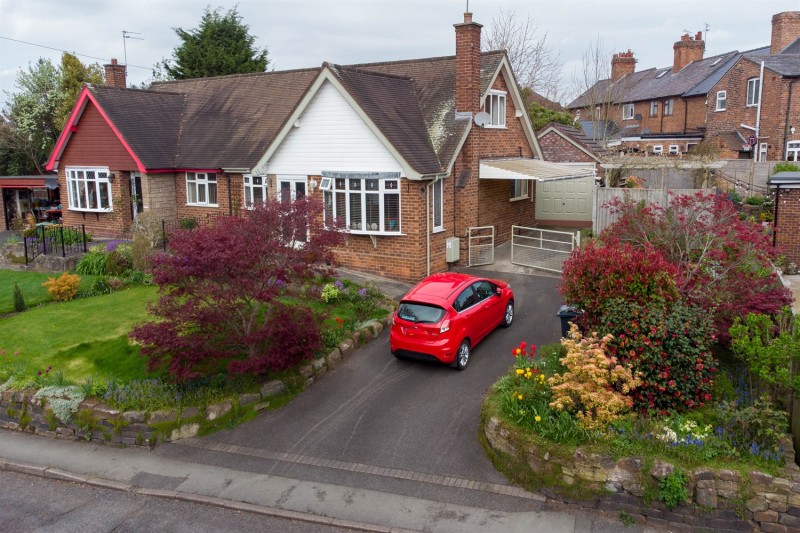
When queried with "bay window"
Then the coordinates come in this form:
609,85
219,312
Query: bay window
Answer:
201,189
369,205
89,189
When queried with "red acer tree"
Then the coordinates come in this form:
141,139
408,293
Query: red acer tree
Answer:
224,289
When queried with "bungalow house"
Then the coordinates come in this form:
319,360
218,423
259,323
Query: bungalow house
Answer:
749,112
408,154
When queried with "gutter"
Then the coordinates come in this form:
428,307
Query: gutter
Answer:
758,113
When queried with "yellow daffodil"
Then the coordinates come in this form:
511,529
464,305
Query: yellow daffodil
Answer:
519,396
538,418
520,371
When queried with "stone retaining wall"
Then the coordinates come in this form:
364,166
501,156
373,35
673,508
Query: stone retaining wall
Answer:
98,423
720,500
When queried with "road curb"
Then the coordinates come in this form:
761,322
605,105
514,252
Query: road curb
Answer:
63,475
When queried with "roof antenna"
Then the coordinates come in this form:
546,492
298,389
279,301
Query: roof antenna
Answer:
705,35
127,35
467,11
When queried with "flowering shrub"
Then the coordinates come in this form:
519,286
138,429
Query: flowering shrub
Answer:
63,288
597,273
330,292
668,346
755,430
594,386
64,401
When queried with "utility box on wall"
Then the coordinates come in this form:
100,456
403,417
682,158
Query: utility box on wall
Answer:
453,249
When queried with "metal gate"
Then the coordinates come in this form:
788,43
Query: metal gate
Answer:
480,245
542,248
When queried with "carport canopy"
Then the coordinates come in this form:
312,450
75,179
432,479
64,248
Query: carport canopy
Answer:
532,169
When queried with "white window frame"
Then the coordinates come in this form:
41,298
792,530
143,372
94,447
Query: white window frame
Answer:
668,107
762,151
654,108
689,146
628,111
674,149
793,149
437,207
597,113
202,184
350,190
496,107
79,196
250,187
722,101
753,92
519,189
658,149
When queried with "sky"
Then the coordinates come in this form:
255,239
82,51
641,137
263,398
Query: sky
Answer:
304,33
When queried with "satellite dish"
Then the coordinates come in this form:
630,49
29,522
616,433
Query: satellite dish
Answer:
638,116
483,118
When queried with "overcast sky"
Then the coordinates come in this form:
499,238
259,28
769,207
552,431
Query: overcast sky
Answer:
304,33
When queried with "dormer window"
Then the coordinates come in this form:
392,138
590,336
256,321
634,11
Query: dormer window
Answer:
496,107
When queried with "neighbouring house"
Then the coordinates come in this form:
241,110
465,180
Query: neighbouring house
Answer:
408,154
787,214
21,196
749,112
568,202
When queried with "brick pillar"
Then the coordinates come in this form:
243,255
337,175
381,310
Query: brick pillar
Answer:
468,65
115,75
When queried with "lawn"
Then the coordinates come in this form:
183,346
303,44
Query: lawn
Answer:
31,285
76,337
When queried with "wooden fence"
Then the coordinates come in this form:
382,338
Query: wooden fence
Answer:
602,217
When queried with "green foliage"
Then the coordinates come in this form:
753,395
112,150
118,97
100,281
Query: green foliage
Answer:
93,263
187,223
101,286
51,419
86,423
330,293
756,430
141,250
672,489
63,401
768,348
626,519
221,45
73,76
756,199
19,299
786,166
541,116
118,261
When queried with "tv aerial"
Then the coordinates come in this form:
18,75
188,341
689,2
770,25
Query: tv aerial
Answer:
125,36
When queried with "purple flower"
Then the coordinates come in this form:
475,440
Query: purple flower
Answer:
39,373
338,284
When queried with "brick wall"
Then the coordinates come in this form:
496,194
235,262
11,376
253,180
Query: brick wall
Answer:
224,195
787,231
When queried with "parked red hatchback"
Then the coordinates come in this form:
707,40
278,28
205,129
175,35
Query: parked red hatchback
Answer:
448,314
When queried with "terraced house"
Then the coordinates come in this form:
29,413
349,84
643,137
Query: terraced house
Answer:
408,154
746,102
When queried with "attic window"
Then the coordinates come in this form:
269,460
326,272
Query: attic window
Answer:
717,60
496,107
660,74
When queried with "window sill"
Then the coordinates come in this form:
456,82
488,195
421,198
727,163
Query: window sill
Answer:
201,205
87,210
377,233
518,198
437,230
718,110
494,127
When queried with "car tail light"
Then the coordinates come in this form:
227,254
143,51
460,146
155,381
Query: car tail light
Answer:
445,326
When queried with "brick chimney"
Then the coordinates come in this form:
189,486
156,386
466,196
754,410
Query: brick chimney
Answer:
688,49
785,30
468,65
622,64
115,75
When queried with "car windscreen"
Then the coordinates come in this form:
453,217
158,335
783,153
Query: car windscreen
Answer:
420,313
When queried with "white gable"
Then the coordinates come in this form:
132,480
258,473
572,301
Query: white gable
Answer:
331,136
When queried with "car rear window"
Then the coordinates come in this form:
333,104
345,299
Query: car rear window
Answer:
420,313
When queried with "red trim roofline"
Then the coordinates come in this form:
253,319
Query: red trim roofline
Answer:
72,125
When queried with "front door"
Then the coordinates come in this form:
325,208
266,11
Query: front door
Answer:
137,202
291,188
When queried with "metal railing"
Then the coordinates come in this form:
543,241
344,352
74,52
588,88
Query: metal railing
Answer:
55,239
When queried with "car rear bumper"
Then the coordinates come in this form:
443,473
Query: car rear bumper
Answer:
441,349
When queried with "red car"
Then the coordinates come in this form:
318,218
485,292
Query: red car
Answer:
448,314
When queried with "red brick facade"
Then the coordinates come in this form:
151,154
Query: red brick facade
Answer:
787,230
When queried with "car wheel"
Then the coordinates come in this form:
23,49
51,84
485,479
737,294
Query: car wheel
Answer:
462,356
508,317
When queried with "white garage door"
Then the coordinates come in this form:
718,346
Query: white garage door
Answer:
565,200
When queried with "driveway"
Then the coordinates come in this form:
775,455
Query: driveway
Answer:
380,423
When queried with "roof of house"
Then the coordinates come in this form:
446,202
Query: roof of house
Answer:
787,65
577,137
229,121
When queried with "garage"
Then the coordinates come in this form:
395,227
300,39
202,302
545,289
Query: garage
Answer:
565,200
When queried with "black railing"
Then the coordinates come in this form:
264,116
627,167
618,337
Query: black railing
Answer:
55,240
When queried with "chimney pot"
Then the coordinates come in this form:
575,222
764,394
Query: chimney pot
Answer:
115,74
622,63
467,18
687,50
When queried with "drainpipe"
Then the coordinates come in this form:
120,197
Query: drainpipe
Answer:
428,228
758,112
786,126
230,195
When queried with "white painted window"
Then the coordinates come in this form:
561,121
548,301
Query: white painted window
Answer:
722,100
519,189
762,152
654,108
366,205
89,189
201,189
438,205
597,113
668,105
255,191
496,107
753,91
658,149
674,149
793,151
627,111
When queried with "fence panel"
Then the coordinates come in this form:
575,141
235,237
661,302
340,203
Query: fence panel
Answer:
603,195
